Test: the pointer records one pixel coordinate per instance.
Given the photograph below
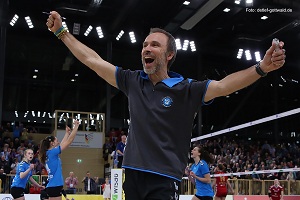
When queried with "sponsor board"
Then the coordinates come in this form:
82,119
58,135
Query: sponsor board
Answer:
84,139
116,184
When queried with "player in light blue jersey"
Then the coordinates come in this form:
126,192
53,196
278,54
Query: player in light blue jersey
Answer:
49,156
199,174
23,174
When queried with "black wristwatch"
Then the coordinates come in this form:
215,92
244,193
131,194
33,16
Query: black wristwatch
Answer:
259,70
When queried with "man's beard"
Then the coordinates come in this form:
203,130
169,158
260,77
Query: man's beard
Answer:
157,67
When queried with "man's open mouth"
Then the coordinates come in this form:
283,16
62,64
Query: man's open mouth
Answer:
149,60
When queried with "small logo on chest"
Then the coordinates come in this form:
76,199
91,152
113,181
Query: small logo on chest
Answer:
167,101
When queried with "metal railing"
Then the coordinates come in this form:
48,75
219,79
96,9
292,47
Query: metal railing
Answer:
249,187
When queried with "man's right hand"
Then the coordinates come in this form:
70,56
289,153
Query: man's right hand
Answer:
54,21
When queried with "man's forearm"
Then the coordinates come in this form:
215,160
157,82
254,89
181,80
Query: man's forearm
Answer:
79,50
239,80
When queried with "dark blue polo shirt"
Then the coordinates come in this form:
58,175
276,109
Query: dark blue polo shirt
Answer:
161,121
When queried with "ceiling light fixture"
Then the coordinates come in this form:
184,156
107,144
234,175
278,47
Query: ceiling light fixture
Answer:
178,44
257,56
88,30
76,29
240,53
226,10
99,32
248,55
49,115
185,45
186,3
14,20
193,46
29,22
132,37
25,115
120,35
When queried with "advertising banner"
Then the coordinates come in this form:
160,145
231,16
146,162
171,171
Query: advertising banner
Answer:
116,184
84,139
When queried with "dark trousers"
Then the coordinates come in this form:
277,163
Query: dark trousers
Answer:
140,185
3,185
120,161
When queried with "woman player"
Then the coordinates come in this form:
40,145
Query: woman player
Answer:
24,172
199,174
49,156
220,184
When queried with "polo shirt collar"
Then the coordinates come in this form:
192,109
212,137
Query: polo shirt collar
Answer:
170,82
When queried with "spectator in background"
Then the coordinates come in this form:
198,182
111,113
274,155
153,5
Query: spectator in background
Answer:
11,144
4,164
71,182
21,147
4,170
5,152
90,185
13,166
38,166
24,134
120,150
17,143
8,127
255,176
113,136
114,156
107,149
19,155
106,187
44,171
292,178
16,131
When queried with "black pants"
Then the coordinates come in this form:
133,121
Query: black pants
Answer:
140,185
3,185
120,161
204,197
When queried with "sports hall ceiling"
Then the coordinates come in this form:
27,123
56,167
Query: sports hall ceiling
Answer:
217,35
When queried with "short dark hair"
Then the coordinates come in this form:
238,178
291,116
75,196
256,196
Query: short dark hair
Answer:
171,44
